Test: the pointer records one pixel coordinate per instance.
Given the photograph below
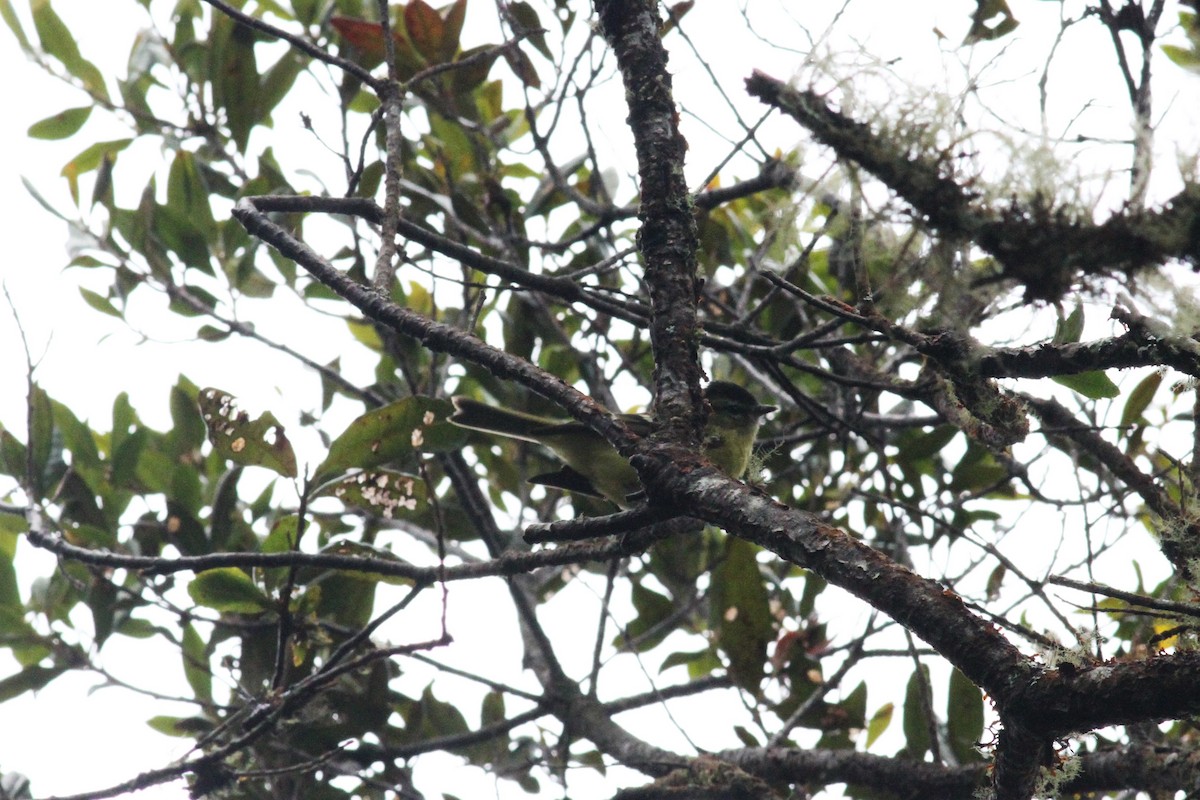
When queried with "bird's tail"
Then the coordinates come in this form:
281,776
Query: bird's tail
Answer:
479,416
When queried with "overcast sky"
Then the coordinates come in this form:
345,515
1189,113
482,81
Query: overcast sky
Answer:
62,746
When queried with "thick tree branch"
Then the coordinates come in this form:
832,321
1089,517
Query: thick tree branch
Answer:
1040,246
667,237
1146,769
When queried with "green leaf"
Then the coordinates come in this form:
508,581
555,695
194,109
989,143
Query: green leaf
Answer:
228,590
99,302
492,710
916,723
346,547
1069,330
345,599
652,609
279,80
10,596
58,42
30,679
187,727
187,426
14,25
235,78
1139,399
964,717
380,492
879,722
390,433
187,195
916,445
982,28
1093,385
995,581
528,21
90,158
41,201
12,455
741,615
61,125
42,441
1185,57
195,664
523,68
253,442
435,718
700,663
306,10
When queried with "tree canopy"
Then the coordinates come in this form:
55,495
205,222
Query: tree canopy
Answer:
963,561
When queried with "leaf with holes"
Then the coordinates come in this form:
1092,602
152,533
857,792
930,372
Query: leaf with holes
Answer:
383,435
383,493
258,442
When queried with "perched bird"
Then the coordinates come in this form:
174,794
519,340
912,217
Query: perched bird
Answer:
591,466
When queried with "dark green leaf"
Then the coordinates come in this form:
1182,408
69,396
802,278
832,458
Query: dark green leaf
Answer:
916,714
646,630
258,442
41,422
983,29
380,492
187,727
1139,399
235,78
915,445
30,679
527,21
522,67
391,433
964,717
347,547
187,195
279,79
741,614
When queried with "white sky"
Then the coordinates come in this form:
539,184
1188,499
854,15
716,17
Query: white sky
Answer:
66,740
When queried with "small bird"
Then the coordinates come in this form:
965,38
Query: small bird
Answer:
591,466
